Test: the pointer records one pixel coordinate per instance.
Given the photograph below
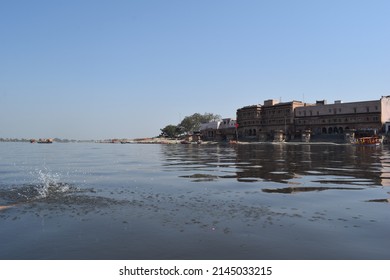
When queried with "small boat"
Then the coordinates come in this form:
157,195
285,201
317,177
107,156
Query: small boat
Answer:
368,141
45,141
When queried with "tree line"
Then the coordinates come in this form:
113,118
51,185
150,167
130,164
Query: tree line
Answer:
188,125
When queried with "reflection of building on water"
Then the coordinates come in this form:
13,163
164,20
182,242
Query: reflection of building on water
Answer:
308,165
274,162
291,190
326,164
384,167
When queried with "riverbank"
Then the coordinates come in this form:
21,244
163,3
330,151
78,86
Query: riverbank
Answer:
158,140
178,141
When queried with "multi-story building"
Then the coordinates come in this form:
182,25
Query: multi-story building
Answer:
249,121
278,117
336,118
273,119
278,121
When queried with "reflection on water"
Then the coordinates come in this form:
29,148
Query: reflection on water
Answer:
304,189
283,163
260,201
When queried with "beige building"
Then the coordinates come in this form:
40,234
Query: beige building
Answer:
278,117
249,121
277,121
267,122
336,118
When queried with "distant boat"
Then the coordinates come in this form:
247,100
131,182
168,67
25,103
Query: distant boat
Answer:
45,141
368,141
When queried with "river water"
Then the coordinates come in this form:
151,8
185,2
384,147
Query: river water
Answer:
145,201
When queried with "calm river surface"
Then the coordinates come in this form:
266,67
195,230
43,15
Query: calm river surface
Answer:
135,201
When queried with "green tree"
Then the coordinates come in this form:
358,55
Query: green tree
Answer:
170,131
193,122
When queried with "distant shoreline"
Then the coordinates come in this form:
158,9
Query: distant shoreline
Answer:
158,140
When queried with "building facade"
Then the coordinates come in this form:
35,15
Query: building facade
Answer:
270,121
228,129
339,117
249,121
224,130
208,131
277,118
277,121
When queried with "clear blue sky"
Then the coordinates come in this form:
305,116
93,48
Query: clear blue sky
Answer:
94,69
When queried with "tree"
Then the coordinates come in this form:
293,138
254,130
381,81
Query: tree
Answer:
170,131
192,123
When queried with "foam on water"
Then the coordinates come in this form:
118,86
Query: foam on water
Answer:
44,185
50,184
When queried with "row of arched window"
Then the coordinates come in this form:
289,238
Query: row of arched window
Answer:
324,130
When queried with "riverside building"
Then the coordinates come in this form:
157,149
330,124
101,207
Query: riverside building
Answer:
277,121
337,118
224,130
272,121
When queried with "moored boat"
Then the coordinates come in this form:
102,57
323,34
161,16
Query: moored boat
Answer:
368,141
45,141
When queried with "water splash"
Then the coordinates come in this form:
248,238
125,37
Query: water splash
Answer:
49,184
46,185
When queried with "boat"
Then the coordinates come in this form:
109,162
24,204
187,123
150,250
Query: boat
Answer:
368,141
45,141
366,137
